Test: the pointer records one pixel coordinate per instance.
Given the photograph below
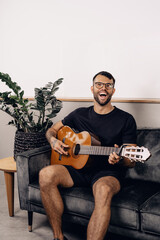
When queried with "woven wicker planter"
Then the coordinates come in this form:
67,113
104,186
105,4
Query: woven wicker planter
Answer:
27,141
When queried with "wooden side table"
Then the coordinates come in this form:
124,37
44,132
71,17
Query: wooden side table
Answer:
8,165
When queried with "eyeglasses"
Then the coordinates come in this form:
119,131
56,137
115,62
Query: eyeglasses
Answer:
100,85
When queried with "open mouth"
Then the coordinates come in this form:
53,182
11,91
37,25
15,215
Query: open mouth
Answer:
103,95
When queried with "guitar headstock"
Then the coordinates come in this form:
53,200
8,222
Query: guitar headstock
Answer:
136,154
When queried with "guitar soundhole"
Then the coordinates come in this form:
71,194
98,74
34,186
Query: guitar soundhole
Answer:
77,149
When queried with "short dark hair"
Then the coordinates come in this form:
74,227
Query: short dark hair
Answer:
106,74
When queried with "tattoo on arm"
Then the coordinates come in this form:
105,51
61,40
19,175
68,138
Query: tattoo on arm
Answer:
54,142
50,133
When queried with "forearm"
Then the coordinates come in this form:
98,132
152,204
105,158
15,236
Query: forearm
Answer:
126,162
51,133
55,143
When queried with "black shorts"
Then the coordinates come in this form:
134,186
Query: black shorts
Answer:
86,177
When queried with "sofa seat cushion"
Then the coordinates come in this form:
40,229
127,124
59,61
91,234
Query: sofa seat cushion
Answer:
150,215
77,201
125,205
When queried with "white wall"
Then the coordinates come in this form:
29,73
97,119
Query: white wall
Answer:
42,40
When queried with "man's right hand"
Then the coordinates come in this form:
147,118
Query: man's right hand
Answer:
59,146
56,144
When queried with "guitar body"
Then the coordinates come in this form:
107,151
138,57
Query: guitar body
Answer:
82,145
69,137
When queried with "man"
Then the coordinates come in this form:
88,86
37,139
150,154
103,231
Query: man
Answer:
113,127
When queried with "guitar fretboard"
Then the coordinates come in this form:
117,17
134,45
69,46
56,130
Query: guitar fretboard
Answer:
97,150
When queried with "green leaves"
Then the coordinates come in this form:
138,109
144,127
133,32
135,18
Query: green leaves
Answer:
46,105
12,85
46,102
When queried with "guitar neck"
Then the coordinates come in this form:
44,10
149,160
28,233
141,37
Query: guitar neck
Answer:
98,150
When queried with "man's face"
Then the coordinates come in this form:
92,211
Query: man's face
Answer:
102,89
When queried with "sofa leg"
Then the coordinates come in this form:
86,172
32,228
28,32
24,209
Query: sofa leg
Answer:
30,219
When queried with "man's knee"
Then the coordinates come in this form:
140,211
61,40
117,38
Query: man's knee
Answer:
103,189
55,175
47,176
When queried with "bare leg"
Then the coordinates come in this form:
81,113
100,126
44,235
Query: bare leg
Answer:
49,179
103,191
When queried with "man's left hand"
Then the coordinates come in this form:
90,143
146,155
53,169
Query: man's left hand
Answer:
113,157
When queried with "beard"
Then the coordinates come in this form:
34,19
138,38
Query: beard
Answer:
101,102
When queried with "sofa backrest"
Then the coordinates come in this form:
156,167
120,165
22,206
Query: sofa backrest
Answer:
150,170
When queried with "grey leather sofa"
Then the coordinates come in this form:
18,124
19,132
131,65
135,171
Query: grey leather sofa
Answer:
135,210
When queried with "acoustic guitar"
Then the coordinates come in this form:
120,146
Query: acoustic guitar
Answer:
80,148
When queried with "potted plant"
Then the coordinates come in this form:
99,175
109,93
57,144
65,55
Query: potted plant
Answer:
31,119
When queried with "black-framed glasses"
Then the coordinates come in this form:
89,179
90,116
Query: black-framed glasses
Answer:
100,85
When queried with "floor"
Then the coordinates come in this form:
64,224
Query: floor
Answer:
16,228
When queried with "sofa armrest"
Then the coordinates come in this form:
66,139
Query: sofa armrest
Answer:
29,163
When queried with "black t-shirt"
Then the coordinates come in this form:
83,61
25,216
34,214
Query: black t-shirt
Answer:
117,127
